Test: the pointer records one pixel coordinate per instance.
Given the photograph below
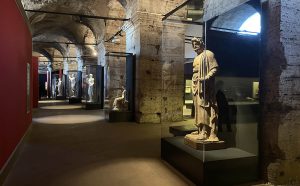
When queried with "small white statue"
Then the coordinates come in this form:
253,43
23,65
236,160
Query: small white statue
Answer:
120,102
72,80
90,81
59,87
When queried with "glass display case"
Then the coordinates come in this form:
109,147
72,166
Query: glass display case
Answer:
119,87
217,143
74,86
54,78
92,78
58,86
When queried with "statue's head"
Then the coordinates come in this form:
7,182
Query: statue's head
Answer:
198,45
73,75
91,75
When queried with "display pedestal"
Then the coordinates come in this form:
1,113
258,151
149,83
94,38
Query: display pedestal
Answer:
182,130
119,116
74,100
231,166
60,98
92,106
191,141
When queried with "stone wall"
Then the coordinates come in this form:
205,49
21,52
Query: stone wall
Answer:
172,59
280,92
144,38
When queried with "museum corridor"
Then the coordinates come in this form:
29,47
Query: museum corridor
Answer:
68,146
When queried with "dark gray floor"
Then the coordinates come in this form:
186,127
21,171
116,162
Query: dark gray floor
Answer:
90,152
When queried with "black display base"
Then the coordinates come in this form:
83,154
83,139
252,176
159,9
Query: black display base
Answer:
92,106
224,167
182,130
74,100
120,116
60,98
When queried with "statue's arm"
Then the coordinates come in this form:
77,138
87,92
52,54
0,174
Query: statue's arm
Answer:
211,73
213,66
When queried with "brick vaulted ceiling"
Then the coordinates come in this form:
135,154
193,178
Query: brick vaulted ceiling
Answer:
51,28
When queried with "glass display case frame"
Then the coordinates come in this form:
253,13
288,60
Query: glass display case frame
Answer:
209,163
74,86
92,86
55,85
126,93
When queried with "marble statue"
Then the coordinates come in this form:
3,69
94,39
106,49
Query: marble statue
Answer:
205,68
59,87
90,81
72,80
120,102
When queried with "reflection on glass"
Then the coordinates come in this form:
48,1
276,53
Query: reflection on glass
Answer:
252,25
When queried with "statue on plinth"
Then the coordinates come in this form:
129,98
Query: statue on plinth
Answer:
59,87
205,68
90,82
72,80
120,103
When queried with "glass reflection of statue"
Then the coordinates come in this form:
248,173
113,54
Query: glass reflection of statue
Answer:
72,80
90,81
203,87
120,102
59,87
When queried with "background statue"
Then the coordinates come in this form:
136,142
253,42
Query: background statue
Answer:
203,87
72,80
59,87
120,103
90,81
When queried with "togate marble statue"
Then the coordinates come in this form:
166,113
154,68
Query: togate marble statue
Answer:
59,87
90,81
72,80
205,68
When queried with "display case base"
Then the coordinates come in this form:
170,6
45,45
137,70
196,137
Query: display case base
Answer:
191,141
182,130
119,116
231,166
60,98
93,106
74,100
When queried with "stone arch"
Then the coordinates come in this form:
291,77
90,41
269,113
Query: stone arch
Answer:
233,19
43,52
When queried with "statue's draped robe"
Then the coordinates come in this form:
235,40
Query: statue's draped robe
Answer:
204,91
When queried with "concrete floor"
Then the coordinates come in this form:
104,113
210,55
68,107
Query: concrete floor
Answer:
69,146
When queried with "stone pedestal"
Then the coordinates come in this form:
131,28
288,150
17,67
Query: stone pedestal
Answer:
182,130
192,141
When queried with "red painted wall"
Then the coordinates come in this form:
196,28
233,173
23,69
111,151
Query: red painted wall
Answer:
35,79
15,53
